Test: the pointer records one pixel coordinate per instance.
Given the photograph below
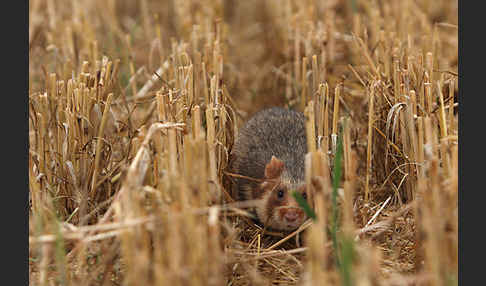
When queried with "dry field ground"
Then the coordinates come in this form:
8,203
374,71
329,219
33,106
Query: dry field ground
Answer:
134,107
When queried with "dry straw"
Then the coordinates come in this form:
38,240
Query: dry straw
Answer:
134,107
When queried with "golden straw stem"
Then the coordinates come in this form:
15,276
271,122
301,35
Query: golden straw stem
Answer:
99,142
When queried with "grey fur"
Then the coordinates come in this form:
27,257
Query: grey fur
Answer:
274,131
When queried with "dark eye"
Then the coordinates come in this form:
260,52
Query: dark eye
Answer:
280,194
304,195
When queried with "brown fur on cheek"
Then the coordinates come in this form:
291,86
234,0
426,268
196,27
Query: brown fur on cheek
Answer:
263,189
283,211
271,210
278,222
289,204
273,203
262,194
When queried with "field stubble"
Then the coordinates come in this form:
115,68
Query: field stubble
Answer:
134,107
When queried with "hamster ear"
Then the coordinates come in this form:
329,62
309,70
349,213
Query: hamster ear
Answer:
274,168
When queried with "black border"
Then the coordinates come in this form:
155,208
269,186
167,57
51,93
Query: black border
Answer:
471,145
15,183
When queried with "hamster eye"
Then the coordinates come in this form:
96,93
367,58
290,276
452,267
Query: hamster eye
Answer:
280,194
304,195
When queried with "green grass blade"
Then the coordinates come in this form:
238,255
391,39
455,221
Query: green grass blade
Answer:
304,205
336,180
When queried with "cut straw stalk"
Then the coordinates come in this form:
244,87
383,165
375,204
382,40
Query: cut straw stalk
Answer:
413,141
335,118
172,141
396,81
315,76
214,252
326,120
451,105
310,126
405,127
211,143
428,94
368,58
149,84
131,65
315,239
370,141
331,30
99,142
196,123
350,164
46,250
303,95
432,226
443,132
320,105
297,66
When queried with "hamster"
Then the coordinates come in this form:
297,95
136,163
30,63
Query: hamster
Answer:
270,150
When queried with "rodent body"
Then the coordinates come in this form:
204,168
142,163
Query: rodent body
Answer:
270,149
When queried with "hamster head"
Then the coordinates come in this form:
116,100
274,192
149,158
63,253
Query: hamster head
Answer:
277,207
